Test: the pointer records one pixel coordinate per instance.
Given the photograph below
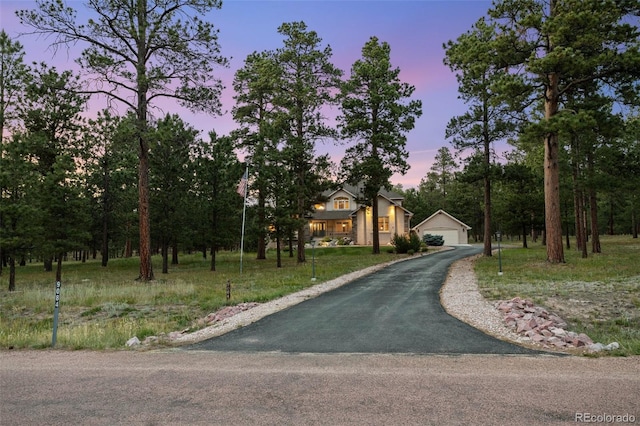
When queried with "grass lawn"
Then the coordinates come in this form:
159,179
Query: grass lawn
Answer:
599,295
101,308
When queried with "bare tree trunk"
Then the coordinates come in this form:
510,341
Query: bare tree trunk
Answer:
290,244
48,264
578,200
301,210
105,212
213,258
174,252
301,254
59,268
146,268
164,251
553,216
593,208
262,247
611,217
595,233
278,249
128,248
581,240
374,225
12,273
487,217
105,242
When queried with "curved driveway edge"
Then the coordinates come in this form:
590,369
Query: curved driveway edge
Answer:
394,310
461,298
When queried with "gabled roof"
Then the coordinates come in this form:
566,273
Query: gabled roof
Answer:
392,197
464,225
331,192
380,195
356,192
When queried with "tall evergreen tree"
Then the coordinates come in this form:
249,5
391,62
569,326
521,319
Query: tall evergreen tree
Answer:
443,171
13,77
478,69
558,47
519,201
376,113
305,86
256,87
20,216
170,178
136,52
109,164
218,207
50,112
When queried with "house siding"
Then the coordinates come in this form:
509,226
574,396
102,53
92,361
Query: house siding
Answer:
398,222
356,221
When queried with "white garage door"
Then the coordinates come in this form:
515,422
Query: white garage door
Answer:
450,236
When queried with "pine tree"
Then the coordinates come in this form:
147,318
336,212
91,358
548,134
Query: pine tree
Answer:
376,113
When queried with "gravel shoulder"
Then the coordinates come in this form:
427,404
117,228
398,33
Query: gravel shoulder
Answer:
461,298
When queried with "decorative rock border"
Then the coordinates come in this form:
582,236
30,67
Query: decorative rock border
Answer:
544,328
539,325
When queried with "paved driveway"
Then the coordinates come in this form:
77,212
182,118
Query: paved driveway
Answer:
396,310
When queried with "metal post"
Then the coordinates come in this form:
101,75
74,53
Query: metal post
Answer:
499,236
56,308
245,188
313,260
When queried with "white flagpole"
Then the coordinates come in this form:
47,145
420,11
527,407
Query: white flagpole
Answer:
244,212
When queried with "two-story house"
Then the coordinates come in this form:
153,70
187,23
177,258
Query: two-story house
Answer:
344,214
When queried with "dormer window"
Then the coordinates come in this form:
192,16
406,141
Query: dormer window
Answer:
341,203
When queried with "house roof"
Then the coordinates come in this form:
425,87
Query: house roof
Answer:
331,214
439,212
356,192
393,197
406,212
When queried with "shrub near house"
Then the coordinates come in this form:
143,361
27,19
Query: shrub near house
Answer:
406,243
433,240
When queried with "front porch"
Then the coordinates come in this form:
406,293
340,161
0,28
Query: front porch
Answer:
334,229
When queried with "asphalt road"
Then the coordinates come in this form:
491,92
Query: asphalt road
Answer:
395,310
235,388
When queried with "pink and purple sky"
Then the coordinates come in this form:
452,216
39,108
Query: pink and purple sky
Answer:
415,30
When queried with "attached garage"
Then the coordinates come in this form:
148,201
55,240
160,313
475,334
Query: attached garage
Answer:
452,230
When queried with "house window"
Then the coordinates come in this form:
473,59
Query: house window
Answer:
318,229
341,203
343,227
383,224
